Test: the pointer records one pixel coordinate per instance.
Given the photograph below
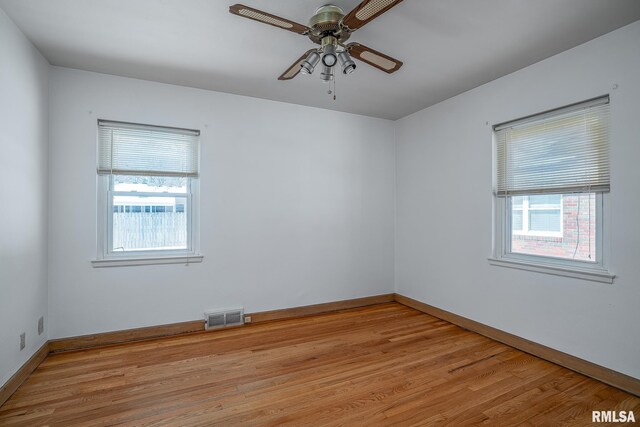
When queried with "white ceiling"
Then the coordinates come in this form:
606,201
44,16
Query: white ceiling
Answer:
448,46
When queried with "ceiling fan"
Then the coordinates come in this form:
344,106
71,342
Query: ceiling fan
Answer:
330,28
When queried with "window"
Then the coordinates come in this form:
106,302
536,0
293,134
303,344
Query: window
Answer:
539,215
552,175
148,181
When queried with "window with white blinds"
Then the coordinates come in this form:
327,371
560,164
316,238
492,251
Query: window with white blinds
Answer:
552,176
133,149
148,190
558,152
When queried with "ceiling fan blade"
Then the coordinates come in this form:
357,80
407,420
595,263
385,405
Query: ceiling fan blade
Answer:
294,69
374,58
267,18
366,12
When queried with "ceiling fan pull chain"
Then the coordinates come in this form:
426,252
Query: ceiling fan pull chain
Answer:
334,89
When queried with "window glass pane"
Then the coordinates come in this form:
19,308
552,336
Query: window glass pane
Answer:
544,220
516,202
150,184
516,220
149,223
562,226
545,200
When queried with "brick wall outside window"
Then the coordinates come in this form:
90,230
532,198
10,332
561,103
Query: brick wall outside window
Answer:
579,229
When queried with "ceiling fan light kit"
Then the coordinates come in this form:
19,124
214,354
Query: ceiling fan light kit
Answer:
347,64
330,28
329,57
309,64
327,74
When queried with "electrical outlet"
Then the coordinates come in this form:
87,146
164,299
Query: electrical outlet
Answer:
23,338
247,319
40,325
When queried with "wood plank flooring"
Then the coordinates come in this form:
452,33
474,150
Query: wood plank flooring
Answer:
381,365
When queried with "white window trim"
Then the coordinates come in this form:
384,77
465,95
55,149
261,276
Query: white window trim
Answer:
107,258
593,271
525,220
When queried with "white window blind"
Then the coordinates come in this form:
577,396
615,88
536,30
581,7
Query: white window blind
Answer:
132,149
561,151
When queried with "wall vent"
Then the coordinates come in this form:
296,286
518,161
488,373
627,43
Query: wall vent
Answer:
223,318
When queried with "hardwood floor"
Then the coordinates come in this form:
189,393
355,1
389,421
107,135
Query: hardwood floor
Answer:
381,365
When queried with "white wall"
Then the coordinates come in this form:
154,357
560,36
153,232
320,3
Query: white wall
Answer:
23,191
297,206
444,207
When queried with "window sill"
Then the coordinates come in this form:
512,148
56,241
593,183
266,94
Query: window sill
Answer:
127,262
593,274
